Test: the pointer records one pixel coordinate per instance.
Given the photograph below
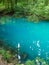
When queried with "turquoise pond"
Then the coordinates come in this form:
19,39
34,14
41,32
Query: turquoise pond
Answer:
32,37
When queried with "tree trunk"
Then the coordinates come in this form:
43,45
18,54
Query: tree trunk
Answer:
12,4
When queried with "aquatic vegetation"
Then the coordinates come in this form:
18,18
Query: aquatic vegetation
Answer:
5,19
37,61
5,54
29,62
41,61
8,56
11,58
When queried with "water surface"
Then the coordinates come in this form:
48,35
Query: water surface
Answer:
32,37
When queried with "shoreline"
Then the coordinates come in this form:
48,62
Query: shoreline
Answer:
12,14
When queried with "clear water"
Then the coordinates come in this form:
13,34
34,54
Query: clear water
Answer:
32,37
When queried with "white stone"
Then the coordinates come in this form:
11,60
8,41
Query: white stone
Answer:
19,57
38,45
18,45
37,60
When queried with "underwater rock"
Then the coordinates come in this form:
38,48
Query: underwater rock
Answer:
2,62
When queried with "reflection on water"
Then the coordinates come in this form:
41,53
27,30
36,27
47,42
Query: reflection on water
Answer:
32,37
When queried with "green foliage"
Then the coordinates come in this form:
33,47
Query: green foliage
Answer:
30,62
34,10
2,51
18,64
36,61
31,9
5,54
41,60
